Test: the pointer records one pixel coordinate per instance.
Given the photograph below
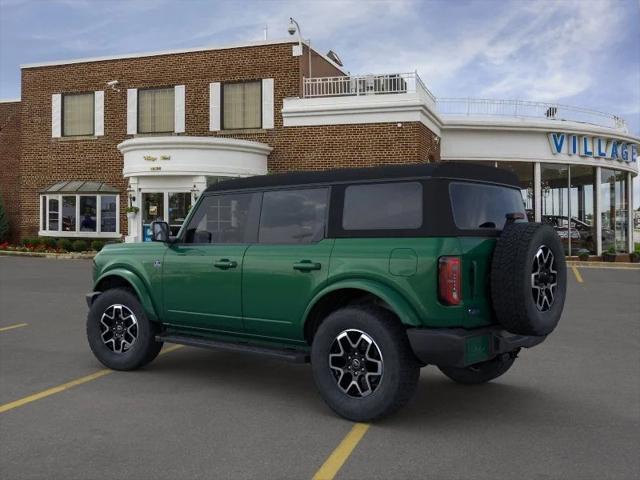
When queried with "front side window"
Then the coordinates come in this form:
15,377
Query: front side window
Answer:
478,206
242,105
77,114
54,213
293,216
383,206
156,110
230,218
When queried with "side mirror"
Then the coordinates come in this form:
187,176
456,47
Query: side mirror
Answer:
159,232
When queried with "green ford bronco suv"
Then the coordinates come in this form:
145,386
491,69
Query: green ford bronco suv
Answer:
369,274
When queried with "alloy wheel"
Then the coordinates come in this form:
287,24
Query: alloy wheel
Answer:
356,363
118,328
544,278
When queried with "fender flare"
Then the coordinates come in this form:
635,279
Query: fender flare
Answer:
399,305
137,284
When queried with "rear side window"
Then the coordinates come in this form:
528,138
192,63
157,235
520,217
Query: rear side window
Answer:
383,206
293,216
477,206
230,218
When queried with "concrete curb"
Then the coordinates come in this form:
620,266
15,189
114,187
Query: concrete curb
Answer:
61,256
613,265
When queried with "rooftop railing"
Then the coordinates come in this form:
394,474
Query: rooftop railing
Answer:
526,109
398,83
356,85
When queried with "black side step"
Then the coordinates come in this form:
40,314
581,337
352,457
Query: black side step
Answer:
289,355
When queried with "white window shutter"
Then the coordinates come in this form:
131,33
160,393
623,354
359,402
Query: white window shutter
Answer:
267,103
214,107
132,111
98,113
178,109
56,115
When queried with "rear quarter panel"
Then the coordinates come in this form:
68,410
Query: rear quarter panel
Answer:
409,267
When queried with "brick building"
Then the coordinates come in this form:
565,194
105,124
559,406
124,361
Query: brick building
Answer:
91,138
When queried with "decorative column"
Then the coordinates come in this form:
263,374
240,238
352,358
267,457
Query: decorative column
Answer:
598,211
133,218
630,213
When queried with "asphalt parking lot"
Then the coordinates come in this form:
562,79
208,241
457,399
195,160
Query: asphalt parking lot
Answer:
569,408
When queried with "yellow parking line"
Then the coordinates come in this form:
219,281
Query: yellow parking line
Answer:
334,463
11,327
65,386
577,274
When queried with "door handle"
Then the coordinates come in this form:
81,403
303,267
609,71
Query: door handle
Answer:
225,264
306,266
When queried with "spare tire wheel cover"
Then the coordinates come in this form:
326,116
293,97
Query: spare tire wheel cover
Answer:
528,279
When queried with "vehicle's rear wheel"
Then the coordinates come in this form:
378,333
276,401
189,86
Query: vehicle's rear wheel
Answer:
363,364
119,333
480,372
528,279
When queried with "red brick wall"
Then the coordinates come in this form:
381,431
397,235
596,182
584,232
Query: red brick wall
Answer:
10,162
46,160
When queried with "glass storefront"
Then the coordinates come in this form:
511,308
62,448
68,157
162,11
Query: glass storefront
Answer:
614,210
555,200
525,172
154,206
569,198
582,208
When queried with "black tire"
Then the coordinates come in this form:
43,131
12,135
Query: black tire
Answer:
142,351
480,373
400,370
515,300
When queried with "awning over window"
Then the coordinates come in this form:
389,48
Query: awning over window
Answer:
80,186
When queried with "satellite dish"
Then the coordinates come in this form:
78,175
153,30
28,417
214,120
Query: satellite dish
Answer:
333,56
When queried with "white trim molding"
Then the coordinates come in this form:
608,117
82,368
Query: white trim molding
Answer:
396,108
188,156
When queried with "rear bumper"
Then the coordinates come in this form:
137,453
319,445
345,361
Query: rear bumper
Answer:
458,347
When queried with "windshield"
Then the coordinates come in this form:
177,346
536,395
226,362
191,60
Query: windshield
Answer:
478,206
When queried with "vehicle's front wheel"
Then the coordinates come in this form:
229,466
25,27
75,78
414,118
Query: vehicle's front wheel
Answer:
480,372
119,333
363,364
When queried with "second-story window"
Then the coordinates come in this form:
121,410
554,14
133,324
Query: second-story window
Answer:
156,110
241,105
77,114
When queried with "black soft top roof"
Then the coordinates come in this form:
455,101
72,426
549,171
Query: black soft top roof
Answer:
454,170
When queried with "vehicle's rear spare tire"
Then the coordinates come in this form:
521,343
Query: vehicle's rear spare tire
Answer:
528,279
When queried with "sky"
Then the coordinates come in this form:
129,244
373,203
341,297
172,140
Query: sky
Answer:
577,52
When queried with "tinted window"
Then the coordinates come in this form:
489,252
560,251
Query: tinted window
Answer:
383,206
476,206
293,216
231,218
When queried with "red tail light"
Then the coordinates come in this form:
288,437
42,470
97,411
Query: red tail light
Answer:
449,280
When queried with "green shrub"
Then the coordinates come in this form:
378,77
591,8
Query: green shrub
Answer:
611,250
97,245
48,242
80,246
65,244
583,255
4,223
30,241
